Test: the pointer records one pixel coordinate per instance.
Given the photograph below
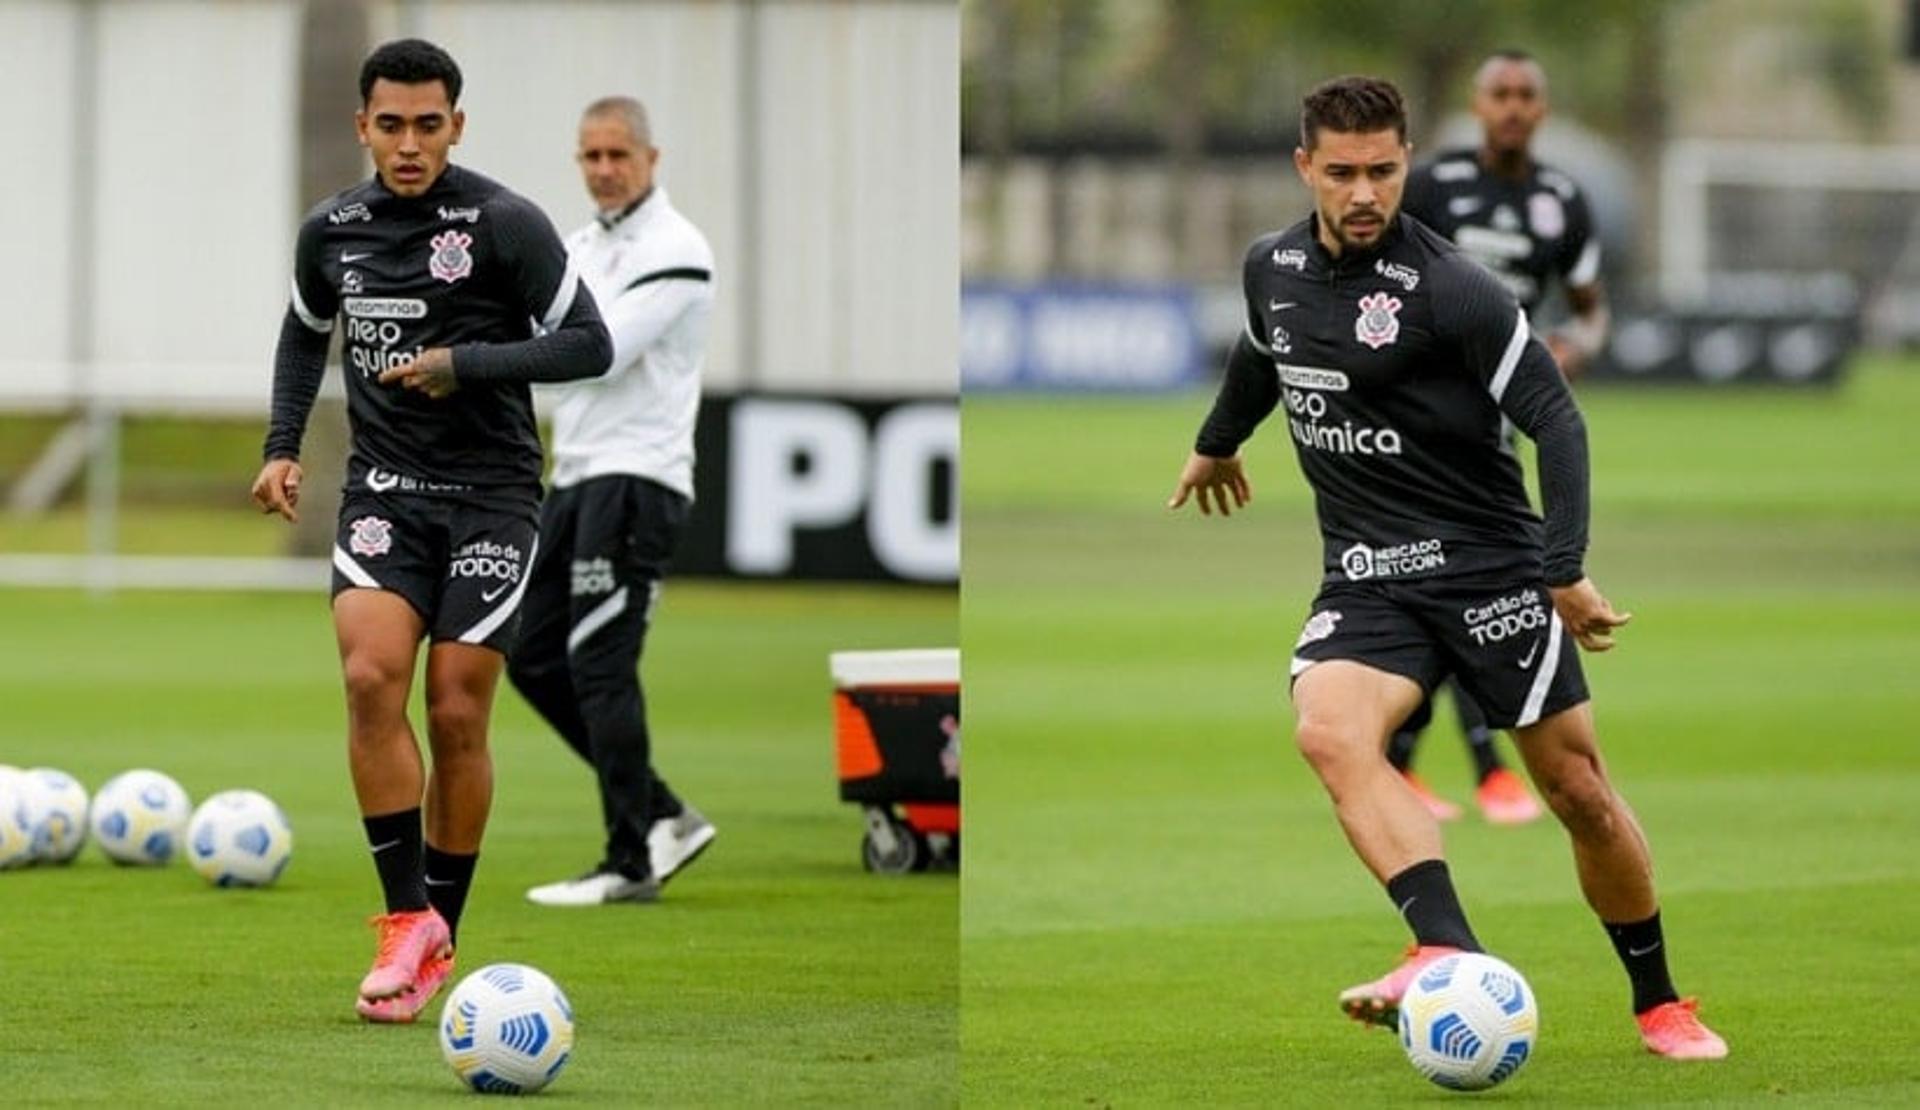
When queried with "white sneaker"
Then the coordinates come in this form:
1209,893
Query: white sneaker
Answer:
594,889
675,842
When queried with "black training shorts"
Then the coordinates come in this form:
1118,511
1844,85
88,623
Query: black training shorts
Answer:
462,563
1500,638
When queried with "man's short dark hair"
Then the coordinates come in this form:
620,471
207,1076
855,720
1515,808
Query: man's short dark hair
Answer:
410,62
1510,55
1352,105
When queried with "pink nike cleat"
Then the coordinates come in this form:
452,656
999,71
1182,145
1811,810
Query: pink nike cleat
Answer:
1441,809
1378,1002
402,1008
406,940
1673,1030
1505,800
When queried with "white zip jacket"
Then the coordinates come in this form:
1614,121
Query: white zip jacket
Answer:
651,272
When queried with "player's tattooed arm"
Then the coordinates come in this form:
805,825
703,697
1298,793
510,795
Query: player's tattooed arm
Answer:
431,373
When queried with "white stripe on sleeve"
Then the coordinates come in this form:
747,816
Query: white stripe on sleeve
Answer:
306,315
1504,372
562,297
1587,269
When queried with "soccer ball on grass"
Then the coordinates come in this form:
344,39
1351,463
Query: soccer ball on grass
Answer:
140,817
16,819
1468,1021
57,807
506,1029
239,838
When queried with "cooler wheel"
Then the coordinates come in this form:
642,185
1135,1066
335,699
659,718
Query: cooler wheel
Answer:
890,846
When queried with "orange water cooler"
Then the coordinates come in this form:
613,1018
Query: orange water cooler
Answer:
896,718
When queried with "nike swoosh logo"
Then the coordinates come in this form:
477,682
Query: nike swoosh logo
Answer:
346,258
1276,306
1527,659
1408,902
489,595
431,881
378,848
1643,951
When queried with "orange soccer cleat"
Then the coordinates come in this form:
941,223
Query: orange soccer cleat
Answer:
1441,809
1673,1030
407,939
1505,800
1378,1002
402,1008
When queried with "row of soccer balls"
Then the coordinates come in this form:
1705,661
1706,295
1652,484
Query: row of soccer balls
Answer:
506,1028
143,817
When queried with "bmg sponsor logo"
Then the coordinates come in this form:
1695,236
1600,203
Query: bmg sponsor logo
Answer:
1290,258
1419,557
1505,616
1407,276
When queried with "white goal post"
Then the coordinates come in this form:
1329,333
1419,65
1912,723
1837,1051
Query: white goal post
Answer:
1806,215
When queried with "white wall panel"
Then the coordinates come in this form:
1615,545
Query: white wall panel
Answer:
195,178
36,79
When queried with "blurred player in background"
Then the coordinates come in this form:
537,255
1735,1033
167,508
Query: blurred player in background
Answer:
1400,363
1528,223
622,486
439,277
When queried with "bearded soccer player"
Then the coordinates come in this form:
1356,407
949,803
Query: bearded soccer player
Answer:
1398,360
454,294
1530,224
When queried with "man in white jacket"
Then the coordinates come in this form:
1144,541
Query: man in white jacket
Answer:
622,485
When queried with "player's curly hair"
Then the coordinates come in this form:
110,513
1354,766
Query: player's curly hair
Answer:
410,62
1349,105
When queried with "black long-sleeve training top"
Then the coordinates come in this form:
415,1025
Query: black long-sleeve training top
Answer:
1398,366
469,265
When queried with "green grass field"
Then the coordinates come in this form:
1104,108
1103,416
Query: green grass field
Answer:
774,972
1159,906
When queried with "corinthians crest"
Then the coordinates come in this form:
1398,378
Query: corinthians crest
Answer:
1378,325
372,536
450,260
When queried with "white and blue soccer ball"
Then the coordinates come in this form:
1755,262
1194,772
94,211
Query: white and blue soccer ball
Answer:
239,838
506,1029
1469,1021
140,817
16,819
57,808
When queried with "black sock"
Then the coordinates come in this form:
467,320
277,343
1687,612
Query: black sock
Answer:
1400,750
1425,897
1643,951
1486,760
396,840
449,878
